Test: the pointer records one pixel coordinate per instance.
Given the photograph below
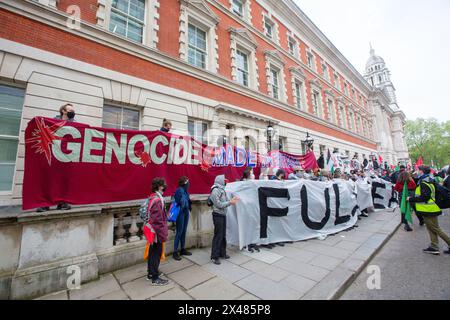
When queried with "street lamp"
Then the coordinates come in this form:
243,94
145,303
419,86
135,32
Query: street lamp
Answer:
270,130
309,142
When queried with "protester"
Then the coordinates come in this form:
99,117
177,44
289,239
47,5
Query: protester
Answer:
403,178
396,174
447,179
184,202
365,162
280,175
220,204
248,174
321,161
158,220
166,126
424,200
66,113
264,174
296,174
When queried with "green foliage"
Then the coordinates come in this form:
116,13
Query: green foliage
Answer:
430,139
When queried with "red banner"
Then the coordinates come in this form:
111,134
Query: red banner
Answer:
79,164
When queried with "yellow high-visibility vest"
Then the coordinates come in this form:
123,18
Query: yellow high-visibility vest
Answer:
430,206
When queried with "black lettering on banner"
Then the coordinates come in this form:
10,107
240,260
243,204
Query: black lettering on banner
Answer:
375,195
339,220
311,224
355,209
265,211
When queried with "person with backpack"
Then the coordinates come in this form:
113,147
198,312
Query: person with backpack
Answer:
184,202
425,204
219,201
157,218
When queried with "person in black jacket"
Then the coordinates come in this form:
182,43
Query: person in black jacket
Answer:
321,161
447,179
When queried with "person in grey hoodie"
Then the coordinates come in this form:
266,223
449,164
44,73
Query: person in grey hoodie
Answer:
220,203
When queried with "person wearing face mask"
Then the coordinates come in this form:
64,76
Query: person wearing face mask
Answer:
220,204
66,113
248,174
167,126
157,218
184,202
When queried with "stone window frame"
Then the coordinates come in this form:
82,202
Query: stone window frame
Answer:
198,13
298,76
267,17
242,40
316,87
202,122
326,74
49,3
329,96
337,84
151,21
342,113
291,39
247,14
275,61
311,54
122,106
351,118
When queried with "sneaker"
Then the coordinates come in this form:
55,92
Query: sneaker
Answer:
432,251
421,223
184,252
408,228
64,206
216,261
160,282
365,215
176,256
43,209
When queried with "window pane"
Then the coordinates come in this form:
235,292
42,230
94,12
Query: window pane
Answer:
191,34
121,5
112,117
130,118
191,128
6,176
8,150
137,9
135,31
11,104
118,24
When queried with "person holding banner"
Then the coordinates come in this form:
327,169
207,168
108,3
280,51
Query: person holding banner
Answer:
157,218
220,204
66,113
248,174
185,204
167,126
425,204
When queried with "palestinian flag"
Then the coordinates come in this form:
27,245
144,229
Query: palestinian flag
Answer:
405,206
330,163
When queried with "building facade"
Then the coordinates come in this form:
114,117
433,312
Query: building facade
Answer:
213,67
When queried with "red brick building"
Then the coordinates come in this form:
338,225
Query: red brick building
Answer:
213,67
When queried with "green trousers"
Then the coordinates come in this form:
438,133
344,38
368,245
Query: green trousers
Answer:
435,232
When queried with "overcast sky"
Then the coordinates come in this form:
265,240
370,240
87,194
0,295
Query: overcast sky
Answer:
413,37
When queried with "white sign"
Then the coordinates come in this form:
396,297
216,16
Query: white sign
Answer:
279,211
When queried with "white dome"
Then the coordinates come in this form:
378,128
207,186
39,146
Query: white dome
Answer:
374,59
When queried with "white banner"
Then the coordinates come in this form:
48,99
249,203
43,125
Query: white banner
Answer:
364,191
383,194
278,211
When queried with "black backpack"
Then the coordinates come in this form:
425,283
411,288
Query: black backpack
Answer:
442,196
209,201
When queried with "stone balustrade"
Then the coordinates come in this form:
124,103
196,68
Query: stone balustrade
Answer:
37,249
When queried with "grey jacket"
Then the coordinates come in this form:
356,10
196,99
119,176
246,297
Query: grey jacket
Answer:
219,196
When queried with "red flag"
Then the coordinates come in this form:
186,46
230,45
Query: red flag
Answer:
380,159
419,161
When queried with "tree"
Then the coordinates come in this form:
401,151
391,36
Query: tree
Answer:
430,139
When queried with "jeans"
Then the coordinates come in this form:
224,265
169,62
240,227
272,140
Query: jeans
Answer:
219,243
154,258
435,232
181,225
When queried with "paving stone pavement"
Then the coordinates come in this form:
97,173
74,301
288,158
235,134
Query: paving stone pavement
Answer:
313,269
